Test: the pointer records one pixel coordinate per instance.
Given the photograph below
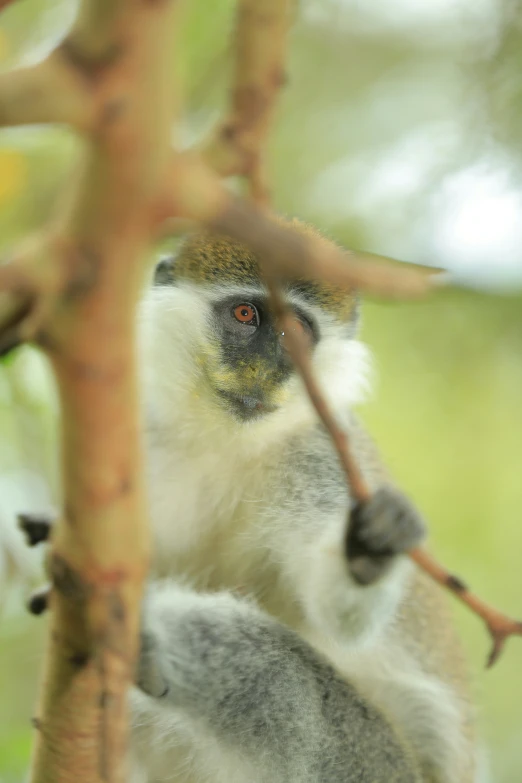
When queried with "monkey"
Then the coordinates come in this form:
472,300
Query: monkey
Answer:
286,636
283,638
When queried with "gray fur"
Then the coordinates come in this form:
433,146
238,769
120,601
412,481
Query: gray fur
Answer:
264,692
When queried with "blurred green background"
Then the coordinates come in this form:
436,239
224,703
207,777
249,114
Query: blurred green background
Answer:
399,133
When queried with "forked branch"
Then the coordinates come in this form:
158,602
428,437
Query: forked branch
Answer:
499,626
98,37
50,92
193,192
30,285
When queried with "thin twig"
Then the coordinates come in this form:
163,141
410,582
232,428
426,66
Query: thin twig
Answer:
499,625
299,351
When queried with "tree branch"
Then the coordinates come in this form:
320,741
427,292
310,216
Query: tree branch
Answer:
75,292
236,146
98,36
50,92
192,192
499,626
30,285
286,253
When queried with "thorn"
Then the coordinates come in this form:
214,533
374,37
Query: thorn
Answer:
499,639
39,600
37,527
498,644
456,584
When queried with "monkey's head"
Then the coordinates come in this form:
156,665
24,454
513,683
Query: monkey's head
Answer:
209,332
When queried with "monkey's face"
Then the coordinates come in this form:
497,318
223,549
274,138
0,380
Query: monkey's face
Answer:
249,369
211,336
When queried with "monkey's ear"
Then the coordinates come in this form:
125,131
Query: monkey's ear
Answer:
164,272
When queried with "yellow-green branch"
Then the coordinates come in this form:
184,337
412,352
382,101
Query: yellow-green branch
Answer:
75,293
50,92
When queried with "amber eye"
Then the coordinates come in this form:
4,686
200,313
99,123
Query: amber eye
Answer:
246,313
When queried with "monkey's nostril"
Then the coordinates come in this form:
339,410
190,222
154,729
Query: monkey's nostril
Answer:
251,402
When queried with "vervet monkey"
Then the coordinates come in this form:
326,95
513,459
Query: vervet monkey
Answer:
283,646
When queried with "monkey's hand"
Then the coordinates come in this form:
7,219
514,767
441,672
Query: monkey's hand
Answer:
383,527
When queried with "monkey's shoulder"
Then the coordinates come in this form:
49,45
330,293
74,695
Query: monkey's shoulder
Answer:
310,470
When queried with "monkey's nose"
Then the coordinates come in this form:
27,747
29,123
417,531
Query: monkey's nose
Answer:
251,402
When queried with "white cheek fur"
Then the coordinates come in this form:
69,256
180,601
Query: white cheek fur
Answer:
174,338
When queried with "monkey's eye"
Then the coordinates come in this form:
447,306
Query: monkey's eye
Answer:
246,313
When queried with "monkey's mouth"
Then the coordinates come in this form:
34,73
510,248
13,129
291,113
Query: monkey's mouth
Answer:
246,407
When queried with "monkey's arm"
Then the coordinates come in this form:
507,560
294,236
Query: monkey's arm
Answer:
344,564
349,579
254,686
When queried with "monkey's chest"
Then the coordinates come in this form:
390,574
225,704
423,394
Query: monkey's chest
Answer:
207,520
